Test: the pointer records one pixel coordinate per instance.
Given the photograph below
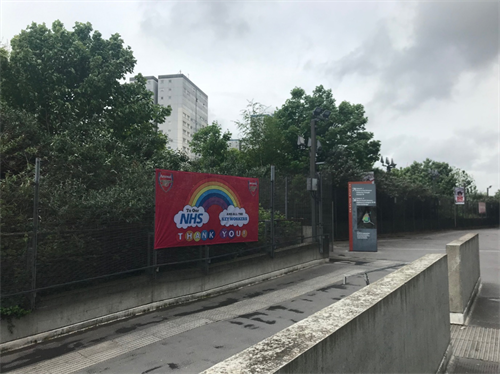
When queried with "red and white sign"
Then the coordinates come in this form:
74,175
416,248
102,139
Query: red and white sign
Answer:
204,209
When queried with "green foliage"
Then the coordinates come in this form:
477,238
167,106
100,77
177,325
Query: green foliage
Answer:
214,155
343,135
20,141
397,185
98,141
438,178
263,143
211,147
73,77
346,147
4,67
8,313
285,230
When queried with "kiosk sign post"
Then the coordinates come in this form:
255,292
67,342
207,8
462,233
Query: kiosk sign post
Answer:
362,217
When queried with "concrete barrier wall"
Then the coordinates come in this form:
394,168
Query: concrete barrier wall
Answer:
464,275
399,324
71,311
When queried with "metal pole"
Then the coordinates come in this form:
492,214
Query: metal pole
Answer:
156,269
35,233
320,212
312,172
272,209
455,215
286,197
333,225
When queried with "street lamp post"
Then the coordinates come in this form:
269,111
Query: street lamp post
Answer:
388,165
488,191
318,113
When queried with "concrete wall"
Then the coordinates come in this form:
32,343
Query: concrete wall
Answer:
399,324
464,275
71,311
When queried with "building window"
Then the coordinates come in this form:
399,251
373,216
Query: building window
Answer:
170,97
170,81
161,98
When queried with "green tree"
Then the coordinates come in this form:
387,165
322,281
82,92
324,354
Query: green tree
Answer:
19,144
62,101
210,146
73,77
398,185
263,141
439,177
343,135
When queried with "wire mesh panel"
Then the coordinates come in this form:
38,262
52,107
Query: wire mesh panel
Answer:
14,265
70,256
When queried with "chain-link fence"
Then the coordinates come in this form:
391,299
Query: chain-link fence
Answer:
77,255
81,253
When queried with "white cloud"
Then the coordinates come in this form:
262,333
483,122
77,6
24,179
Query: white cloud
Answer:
233,216
191,216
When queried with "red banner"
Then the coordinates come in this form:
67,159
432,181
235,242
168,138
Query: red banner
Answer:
203,209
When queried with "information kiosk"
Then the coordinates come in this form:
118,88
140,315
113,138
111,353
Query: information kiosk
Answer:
362,217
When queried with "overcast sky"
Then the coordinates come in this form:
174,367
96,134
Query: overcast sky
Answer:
427,72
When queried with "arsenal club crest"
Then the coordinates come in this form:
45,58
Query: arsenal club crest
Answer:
252,187
166,181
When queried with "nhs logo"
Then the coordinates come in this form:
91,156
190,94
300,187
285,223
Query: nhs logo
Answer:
191,217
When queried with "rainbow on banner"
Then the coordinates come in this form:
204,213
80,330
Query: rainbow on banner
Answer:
214,192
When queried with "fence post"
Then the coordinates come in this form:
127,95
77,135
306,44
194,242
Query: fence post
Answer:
320,211
455,214
150,253
155,263
34,245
